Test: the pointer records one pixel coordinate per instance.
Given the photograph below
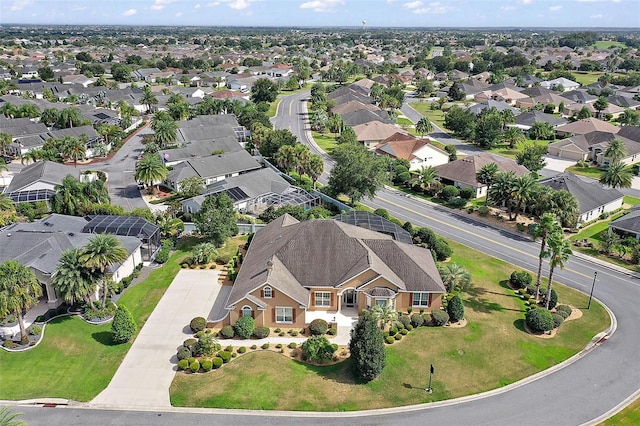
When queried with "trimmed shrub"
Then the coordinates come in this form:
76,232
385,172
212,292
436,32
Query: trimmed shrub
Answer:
198,324
123,327
409,327
332,331
455,309
207,364
190,343
265,346
467,193
397,336
426,319
233,355
206,346
553,298
184,353
317,349
318,327
200,333
539,320
244,327
439,318
226,356
227,332
217,362
448,192
404,331
35,330
417,320
279,346
191,359
557,320
253,347
398,325
293,345
183,364
404,320
531,289
242,350
393,331
194,366
520,279
564,311
382,213
389,340
483,211
367,348
441,249
294,333
261,331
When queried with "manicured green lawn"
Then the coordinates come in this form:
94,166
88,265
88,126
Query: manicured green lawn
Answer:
605,44
591,172
435,115
273,108
632,201
326,142
77,360
407,125
493,350
630,416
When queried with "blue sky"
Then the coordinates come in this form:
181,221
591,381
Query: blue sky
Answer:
377,13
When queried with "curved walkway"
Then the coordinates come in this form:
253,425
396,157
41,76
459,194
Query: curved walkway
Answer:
144,377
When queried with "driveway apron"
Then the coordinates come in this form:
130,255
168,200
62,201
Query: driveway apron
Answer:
144,377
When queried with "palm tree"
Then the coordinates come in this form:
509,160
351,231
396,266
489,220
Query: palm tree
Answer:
150,169
428,178
68,197
28,111
148,98
508,117
159,117
285,158
101,252
68,117
547,227
424,126
600,104
19,291
49,116
169,226
617,175
95,192
7,418
301,155
455,277
73,149
559,252
31,156
486,175
522,189
9,110
72,279
5,141
166,132
513,136
314,168
384,314
629,118
616,150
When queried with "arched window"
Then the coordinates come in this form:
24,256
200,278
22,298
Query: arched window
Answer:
247,311
267,293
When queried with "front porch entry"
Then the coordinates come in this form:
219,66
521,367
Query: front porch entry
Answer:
350,298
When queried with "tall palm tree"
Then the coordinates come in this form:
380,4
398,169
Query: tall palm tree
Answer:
424,126
285,158
159,117
559,252
616,150
486,175
617,175
73,149
72,279
148,98
513,136
28,111
69,117
547,227
301,155
501,190
5,141
19,291
150,169
95,192
49,116
68,197
314,168
629,118
101,252
455,277
165,132
522,189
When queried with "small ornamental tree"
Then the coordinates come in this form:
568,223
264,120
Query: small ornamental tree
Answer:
539,320
455,309
123,326
367,348
317,349
244,327
206,346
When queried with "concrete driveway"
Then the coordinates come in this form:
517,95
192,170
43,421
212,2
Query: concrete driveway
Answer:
144,377
555,165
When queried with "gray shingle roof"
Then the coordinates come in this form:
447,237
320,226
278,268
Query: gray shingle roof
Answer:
628,223
590,195
528,118
43,171
464,169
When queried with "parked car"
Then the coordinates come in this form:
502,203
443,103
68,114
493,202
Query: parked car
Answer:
6,159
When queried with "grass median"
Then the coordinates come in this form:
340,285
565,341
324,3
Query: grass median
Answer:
492,351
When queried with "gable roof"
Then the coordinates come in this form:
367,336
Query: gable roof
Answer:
528,118
375,130
362,116
41,171
404,146
215,165
629,222
590,195
588,125
464,169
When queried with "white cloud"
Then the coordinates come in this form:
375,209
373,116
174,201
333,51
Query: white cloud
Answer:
435,8
555,8
526,1
507,8
322,6
179,14
597,1
78,8
213,4
596,16
20,4
129,12
160,4
413,4
197,6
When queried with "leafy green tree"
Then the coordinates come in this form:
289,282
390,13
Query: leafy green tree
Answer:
455,277
46,73
348,136
522,190
49,116
264,90
150,170
5,141
501,191
191,186
317,349
584,113
532,157
19,291
204,253
101,252
357,173
617,175
216,219
285,158
486,175
424,126
616,150
456,93
367,348
276,139
123,326
8,213
455,309
170,227
335,124
541,130
547,227
424,88
629,117
460,122
559,252
488,128
72,280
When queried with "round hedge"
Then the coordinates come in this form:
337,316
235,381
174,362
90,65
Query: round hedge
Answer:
194,366
332,332
397,336
183,353
242,349
318,327
539,320
183,364
564,311
557,320
404,320
244,327
261,332
393,331
225,356
207,364
198,324
439,318
190,343
217,362
293,345
417,320
227,332
520,279
389,340
426,318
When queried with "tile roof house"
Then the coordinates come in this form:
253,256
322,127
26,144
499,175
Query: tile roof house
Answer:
564,82
591,146
374,132
593,198
420,153
294,271
585,126
462,172
39,245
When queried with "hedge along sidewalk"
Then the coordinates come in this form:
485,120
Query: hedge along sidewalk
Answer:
144,377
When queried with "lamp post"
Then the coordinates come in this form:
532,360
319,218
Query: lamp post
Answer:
595,275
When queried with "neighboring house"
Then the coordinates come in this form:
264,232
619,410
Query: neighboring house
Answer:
295,271
544,99
567,84
587,125
420,153
371,133
462,172
592,146
624,102
490,103
23,145
146,74
362,116
593,198
525,120
579,97
127,226
627,225
254,191
37,181
611,109
39,246
352,106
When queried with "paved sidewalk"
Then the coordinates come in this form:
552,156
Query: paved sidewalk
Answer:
144,377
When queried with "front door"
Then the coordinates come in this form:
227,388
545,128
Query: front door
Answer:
349,298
